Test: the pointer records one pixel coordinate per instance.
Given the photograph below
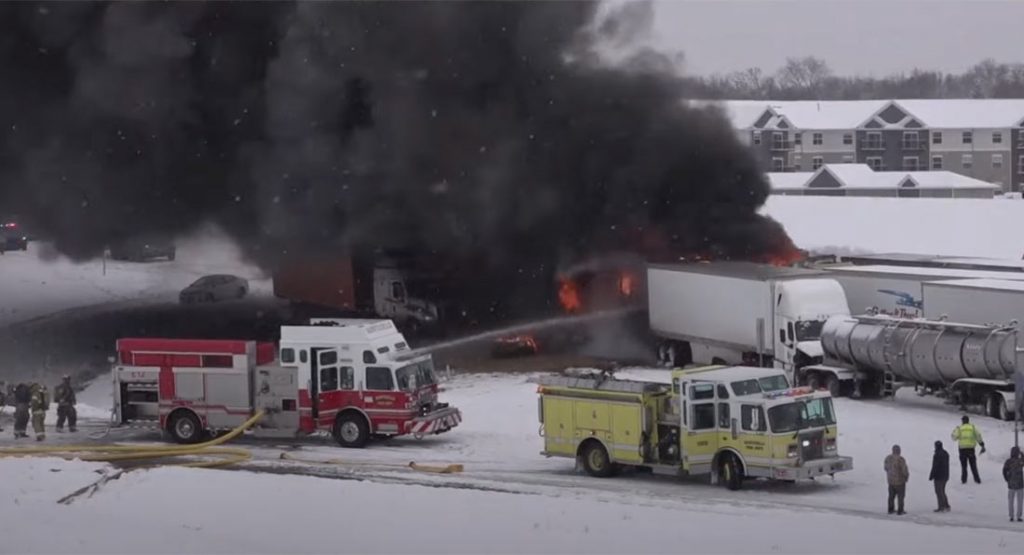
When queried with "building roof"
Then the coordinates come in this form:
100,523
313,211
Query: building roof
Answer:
951,113
741,113
920,272
827,114
741,270
861,176
966,113
788,181
944,179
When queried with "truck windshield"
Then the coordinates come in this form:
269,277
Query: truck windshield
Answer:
415,376
799,415
762,385
809,330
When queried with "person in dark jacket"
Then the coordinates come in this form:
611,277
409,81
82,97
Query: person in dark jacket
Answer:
1013,473
22,397
939,476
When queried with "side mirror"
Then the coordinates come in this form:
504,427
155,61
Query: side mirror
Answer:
735,429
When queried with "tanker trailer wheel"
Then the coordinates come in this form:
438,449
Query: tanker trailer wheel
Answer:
833,385
596,461
997,407
185,427
729,473
351,430
813,381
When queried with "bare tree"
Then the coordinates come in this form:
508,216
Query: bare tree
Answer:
807,74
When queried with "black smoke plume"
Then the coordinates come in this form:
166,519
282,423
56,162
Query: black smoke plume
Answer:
486,132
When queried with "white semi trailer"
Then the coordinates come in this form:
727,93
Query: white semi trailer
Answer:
898,290
740,313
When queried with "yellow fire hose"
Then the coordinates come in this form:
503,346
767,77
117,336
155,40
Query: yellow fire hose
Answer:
114,453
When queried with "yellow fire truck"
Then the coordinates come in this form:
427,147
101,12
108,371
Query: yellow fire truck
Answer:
730,423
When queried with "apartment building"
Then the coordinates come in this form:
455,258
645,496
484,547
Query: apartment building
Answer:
978,138
859,180
824,132
972,137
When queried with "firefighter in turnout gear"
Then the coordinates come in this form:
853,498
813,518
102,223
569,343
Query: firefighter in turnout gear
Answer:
22,396
968,436
40,403
64,395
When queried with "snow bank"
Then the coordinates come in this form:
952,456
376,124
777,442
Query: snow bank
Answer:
968,227
202,511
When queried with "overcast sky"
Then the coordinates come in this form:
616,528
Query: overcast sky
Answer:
868,37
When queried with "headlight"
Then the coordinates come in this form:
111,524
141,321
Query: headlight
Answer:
792,452
806,443
830,444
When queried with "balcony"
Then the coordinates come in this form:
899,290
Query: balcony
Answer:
782,145
873,145
913,145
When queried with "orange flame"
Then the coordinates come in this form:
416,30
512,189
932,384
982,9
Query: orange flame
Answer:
626,284
569,295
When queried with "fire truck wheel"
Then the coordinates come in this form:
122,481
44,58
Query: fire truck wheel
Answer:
729,473
185,427
596,461
351,430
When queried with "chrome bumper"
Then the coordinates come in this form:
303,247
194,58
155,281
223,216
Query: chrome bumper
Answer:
812,469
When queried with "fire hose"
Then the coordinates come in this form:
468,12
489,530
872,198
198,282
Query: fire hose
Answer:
223,456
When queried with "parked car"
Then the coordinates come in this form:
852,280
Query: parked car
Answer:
210,289
140,250
12,238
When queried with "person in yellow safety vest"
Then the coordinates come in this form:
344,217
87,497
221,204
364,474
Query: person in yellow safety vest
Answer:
967,436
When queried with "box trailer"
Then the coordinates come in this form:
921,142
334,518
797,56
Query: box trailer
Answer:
740,313
897,290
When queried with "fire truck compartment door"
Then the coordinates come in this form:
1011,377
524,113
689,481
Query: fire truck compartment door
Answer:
278,393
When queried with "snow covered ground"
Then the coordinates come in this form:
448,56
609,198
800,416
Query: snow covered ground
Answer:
511,499
32,286
965,227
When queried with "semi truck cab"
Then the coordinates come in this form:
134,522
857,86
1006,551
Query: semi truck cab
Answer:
801,308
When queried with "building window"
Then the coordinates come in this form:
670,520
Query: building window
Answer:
910,163
796,162
874,141
911,140
936,138
875,163
777,165
936,162
798,138
968,137
997,161
757,137
817,162
847,138
778,141
817,138
967,161
847,158
997,138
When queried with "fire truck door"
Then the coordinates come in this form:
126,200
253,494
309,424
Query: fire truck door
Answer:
324,378
700,427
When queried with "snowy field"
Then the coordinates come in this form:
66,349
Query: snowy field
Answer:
34,284
966,227
510,499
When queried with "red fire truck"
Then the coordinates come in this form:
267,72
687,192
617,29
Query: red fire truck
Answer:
354,378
